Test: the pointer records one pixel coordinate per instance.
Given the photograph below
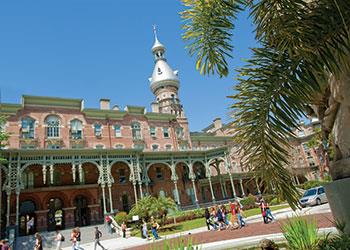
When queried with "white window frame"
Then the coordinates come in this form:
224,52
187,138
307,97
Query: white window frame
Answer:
166,130
98,133
117,130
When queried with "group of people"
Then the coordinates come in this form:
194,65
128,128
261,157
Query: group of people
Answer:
154,229
217,218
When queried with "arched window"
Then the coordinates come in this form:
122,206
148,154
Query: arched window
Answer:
136,130
155,147
100,146
76,129
28,126
52,126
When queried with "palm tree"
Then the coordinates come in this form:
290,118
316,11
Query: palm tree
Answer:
302,67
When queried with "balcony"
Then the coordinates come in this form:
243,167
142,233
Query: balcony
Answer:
77,142
29,142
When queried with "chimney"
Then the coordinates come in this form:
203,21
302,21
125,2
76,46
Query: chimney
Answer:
104,104
115,107
155,107
217,123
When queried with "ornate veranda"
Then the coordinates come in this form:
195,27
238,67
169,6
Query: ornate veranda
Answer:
91,180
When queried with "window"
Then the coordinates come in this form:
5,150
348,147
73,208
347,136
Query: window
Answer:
117,131
152,131
98,129
139,146
136,130
320,190
159,174
155,147
166,132
179,132
122,178
52,126
99,146
53,146
28,125
301,133
119,146
76,129
168,147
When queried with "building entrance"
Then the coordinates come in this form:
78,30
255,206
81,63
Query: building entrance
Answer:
27,219
82,213
55,216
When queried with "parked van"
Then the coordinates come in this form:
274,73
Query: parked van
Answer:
313,196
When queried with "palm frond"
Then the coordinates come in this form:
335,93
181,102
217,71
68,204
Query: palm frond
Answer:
271,99
208,26
318,31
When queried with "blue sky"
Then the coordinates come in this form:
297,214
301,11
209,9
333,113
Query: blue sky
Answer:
94,49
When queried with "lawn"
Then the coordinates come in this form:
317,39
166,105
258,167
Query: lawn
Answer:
200,222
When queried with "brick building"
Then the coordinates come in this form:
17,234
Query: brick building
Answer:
68,165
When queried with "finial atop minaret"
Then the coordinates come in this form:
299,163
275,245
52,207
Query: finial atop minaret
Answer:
155,32
158,49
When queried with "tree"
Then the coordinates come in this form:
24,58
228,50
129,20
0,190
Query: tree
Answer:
152,206
302,67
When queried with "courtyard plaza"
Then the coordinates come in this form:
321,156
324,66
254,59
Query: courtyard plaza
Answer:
252,234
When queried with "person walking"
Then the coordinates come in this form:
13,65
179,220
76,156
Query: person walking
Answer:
73,239
4,245
38,242
207,219
263,210
98,235
123,226
144,230
239,214
154,228
269,215
78,238
59,238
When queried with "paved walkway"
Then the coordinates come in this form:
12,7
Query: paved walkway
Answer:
111,242
252,230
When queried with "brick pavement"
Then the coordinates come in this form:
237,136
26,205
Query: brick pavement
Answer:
253,229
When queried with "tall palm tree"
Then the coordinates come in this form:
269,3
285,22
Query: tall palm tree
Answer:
302,66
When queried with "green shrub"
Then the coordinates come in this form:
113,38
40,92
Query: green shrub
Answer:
248,202
301,234
274,201
120,217
176,244
312,184
338,242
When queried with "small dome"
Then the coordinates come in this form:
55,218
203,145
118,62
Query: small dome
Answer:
157,46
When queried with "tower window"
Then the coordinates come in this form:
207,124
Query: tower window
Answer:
159,71
166,132
168,147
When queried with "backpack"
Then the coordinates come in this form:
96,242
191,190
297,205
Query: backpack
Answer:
62,238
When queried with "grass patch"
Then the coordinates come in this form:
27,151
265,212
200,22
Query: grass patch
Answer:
200,222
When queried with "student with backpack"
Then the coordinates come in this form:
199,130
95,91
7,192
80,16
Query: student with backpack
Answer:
59,238
98,235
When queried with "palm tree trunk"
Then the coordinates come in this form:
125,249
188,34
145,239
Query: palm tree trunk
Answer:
338,191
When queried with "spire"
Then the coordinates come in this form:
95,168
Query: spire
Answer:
158,49
162,72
